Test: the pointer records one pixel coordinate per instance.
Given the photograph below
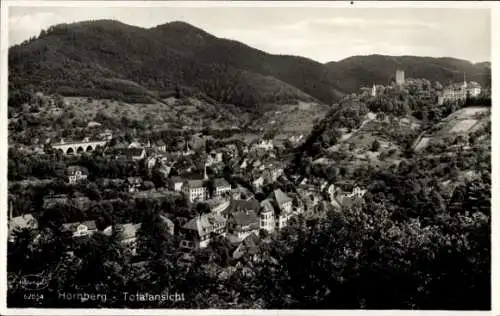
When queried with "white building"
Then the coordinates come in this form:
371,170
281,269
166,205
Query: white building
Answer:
197,232
267,145
82,229
194,190
221,187
76,174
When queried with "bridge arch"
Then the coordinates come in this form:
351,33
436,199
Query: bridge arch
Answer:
79,150
89,148
70,151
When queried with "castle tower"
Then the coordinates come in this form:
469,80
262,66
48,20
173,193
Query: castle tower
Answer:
400,77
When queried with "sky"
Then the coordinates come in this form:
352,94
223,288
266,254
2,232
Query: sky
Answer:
321,34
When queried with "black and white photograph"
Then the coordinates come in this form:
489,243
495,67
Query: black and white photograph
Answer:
239,156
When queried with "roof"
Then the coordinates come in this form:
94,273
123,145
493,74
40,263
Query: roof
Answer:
280,197
269,205
167,221
203,224
129,152
249,245
242,205
134,179
245,218
177,179
130,230
73,226
196,183
23,221
221,182
73,169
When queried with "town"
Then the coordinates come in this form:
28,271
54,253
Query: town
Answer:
165,167
231,189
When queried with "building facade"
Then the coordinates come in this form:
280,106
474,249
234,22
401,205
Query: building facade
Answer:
400,77
221,187
194,190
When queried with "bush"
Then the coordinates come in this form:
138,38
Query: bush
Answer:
375,146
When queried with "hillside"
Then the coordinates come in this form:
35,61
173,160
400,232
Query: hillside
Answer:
109,59
460,125
305,74
355,72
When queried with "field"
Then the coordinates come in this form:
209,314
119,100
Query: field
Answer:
292,118
462,122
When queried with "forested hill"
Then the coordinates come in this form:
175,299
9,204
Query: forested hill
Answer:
354,72
109,59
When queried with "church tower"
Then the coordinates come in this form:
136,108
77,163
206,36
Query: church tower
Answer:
374,90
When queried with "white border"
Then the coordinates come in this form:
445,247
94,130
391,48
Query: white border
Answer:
495,42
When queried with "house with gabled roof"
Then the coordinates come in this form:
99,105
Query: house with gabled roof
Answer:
80,229
76,174
277,208
175,183
284,201
134,184
249,246
243,218
221,187
198,232
18,223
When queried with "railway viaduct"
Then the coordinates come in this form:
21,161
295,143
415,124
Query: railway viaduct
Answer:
74,147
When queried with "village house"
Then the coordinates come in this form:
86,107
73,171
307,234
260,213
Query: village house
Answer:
343,198
160,145
151,162
80,229
127,153
241,193
79,200
296,138
76,174
18,223
265,145
258,183
169,225
221,187
282,206
194,190
249,246
175,184
198,232
218,205
243,218
106,135
242,223
134,184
